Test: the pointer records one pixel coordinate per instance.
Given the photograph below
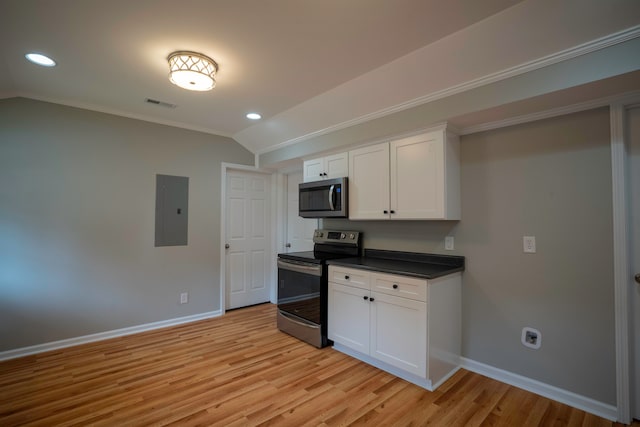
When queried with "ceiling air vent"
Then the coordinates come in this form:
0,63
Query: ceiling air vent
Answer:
160,103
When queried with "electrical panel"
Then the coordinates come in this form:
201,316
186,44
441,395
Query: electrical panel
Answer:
172,210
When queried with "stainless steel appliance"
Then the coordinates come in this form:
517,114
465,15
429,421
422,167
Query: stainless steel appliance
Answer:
324,199
303,284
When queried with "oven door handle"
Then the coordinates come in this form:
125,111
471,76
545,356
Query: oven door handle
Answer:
292,318
315,270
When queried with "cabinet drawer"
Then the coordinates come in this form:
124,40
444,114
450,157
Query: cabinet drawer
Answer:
401,286
349,276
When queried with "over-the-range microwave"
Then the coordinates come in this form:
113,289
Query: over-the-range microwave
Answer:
324,199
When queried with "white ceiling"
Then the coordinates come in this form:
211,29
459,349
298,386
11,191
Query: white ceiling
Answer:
306,66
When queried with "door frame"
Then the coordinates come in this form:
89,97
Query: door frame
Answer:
285,217
224,169
623,277
281,179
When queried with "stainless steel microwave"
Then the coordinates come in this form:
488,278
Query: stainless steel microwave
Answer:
324,199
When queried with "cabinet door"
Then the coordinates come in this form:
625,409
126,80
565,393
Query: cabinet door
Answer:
348,317
337,165
312,170
399,332
369,182
417,177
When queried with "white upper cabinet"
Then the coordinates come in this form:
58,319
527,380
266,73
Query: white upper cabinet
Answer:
334,166
411,178
369,182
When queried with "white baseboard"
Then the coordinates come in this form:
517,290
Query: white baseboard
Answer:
583,403
586,404
54,345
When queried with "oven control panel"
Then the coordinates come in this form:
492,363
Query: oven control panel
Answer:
332,236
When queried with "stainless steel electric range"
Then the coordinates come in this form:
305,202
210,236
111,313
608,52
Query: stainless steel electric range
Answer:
303,288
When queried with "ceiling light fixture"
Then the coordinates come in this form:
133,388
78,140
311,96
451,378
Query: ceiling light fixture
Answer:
40,59
254,116
192,71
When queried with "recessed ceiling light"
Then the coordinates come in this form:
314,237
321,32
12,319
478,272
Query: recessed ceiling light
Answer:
254,116
40,59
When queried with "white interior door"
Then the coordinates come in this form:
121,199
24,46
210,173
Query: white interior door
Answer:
248,238
299,230
634,223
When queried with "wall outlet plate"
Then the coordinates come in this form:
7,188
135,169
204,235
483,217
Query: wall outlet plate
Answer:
449,243
529,244
531,338
184,297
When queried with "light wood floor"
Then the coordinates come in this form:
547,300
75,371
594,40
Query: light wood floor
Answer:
239,370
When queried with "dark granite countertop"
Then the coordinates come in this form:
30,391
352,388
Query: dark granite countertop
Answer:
425,266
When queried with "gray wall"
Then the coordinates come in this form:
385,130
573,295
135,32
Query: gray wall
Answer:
77,203
550,179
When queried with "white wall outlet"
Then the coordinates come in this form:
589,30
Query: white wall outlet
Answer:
448,243
184,297
531,338
529,244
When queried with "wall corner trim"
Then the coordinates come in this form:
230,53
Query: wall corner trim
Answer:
583,403
621,262
70,342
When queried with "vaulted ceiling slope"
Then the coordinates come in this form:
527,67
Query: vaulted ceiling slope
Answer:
308,67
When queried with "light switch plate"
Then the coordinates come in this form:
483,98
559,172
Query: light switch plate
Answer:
449,243
529,244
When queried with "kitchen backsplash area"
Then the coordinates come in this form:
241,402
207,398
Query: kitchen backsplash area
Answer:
407,236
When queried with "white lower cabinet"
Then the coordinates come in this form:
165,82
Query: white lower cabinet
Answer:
407,326
399,332
348,322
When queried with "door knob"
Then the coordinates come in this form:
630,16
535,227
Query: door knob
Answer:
226,246
637,278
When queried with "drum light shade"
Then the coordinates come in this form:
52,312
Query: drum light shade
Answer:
192,70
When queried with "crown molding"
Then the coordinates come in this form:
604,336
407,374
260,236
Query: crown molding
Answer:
8,94
121,113
564,55
553,112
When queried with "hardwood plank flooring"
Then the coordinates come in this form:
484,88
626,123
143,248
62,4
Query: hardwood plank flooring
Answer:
239,370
